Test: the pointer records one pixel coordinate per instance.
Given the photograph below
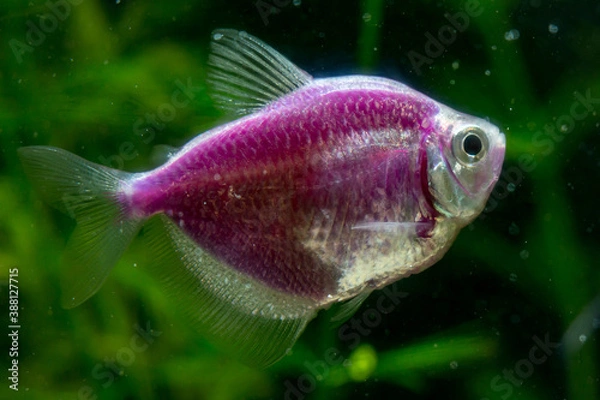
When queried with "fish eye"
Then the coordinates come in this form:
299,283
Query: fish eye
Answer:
470,145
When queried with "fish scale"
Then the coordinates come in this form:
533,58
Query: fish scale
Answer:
322,191
281,193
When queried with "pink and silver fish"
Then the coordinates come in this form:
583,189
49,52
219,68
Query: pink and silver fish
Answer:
324,190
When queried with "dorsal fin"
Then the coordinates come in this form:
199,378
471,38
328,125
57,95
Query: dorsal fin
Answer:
246,74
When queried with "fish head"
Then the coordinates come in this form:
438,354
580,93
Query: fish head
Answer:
465,156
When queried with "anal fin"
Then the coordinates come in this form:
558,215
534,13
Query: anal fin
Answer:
245,318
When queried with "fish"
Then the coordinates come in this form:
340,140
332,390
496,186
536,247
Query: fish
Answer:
317,193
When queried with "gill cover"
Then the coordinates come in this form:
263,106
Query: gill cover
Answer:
464,161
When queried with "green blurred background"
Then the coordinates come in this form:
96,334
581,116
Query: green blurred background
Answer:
84,74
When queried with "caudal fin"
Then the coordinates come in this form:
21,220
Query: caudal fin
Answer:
88,193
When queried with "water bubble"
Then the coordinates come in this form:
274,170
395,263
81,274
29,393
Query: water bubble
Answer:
218,36
297,2
552,28
524,254
511,187
513,277
452,81
455,65
513,229
487,72
494,47
366,17
582,338
511,35
453,364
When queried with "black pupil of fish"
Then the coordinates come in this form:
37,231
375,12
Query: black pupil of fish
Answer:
472,145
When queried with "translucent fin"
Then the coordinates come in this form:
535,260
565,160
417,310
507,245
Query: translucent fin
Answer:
243,317
583,325
347,309
161,153
393,227
87,192
246,74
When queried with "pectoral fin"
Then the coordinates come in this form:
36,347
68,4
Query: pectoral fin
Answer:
350,307
414,229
